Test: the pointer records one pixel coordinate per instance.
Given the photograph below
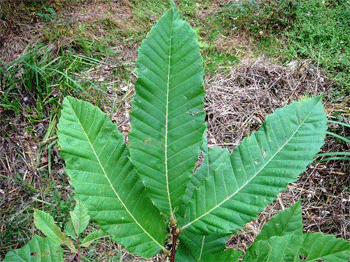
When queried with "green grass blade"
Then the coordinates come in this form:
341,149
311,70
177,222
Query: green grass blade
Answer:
167,120
339,123
338,156
288,221
334,154
38,249
104,179
333,158
258,169
338,136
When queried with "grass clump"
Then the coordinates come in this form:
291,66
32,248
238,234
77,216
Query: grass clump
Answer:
307,29
37,80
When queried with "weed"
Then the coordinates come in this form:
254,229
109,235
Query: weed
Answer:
35,82
48,14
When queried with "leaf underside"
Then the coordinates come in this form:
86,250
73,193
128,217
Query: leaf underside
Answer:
167,118
258,169
38,249
104,179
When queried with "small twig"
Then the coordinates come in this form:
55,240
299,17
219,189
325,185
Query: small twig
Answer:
175,233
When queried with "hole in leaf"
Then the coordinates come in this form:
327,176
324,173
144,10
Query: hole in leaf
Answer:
302,257
33,254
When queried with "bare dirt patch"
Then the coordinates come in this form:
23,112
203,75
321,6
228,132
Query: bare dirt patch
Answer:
90,20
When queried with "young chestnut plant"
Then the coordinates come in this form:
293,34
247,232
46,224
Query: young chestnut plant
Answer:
136,192
49,248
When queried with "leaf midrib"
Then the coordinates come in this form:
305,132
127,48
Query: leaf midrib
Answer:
110,184
256,174
167,127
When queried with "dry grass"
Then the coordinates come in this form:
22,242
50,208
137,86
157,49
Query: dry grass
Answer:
238,103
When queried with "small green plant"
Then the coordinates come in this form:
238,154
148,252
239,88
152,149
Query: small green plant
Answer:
150,195
49,248
48,14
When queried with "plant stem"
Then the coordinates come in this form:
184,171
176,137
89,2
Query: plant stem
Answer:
78,248
175,233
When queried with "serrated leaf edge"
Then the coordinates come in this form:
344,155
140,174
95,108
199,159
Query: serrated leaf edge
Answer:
257,173
109,182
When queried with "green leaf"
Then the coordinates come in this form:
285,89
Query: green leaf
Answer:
45,223
288,221
92,237
69,229
167,118
212,160
193,247
80,218
258,169
38,249
105,181
229,255
306,247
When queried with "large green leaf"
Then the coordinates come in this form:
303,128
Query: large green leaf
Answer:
258,169
105,181
47,225
207,166
306,247
38,249
167,118
193,247
288,221
229,255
